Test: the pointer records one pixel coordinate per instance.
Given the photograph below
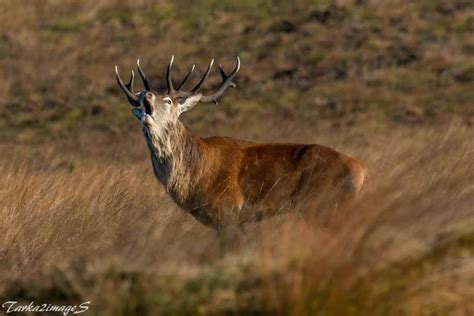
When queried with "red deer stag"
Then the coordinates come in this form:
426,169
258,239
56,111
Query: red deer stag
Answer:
225,182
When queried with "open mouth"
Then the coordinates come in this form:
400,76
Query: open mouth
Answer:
146,110
146,119
147,107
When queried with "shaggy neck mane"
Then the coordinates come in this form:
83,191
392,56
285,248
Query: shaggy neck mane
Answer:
176,155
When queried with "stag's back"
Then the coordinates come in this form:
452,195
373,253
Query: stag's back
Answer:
276,178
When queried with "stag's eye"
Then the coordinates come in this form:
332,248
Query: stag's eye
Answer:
167,101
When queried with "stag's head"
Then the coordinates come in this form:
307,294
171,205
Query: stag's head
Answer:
155,110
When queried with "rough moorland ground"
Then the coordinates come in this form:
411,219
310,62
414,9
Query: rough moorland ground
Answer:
341,62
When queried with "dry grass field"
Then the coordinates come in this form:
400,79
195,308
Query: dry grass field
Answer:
77,228
82,217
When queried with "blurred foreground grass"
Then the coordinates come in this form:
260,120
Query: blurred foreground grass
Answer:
77,228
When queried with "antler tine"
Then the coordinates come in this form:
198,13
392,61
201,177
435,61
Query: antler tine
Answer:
224,76
142,75
186,78
169,82
203,79
129,85
226,82
132,98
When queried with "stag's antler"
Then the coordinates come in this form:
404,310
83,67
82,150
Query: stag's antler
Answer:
177,93
142,75
128,88
226,82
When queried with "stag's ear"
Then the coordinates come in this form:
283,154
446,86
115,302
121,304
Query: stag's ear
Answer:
189,103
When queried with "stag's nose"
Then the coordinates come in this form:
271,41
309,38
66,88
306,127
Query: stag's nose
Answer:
148,95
